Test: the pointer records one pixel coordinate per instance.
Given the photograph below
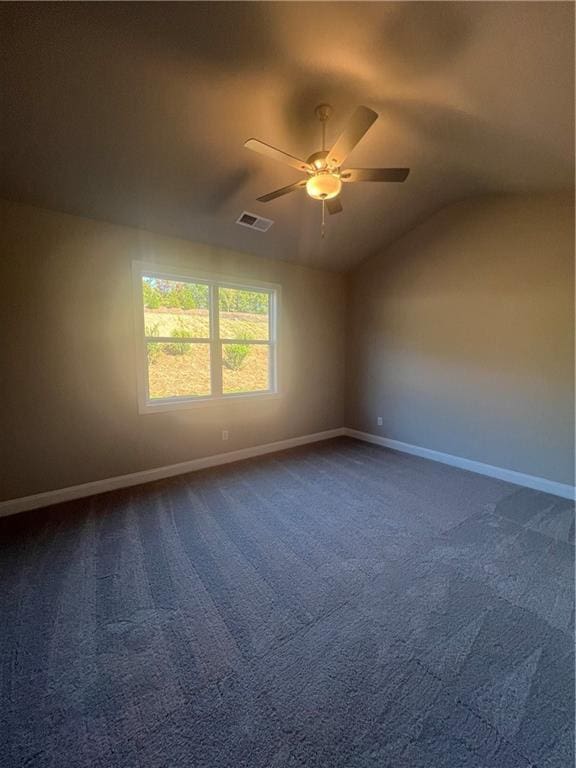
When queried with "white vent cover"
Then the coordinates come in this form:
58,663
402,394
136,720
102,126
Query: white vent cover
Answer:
254,221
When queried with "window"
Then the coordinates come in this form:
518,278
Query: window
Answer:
203,338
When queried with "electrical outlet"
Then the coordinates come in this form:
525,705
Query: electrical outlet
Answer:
225,434
379,421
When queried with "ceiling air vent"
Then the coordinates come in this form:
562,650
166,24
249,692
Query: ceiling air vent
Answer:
254,222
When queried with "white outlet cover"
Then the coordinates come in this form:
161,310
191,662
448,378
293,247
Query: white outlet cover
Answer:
379,421
225,434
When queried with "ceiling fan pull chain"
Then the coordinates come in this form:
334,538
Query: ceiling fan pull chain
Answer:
323,218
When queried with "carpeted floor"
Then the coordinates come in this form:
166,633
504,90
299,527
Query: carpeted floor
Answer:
340,605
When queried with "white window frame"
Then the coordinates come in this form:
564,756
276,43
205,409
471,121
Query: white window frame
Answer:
213,281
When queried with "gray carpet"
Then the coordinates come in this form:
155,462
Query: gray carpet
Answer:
340,605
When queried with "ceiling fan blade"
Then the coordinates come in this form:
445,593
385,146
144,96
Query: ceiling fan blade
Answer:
282,191
334,205
359,123
375,174
276,154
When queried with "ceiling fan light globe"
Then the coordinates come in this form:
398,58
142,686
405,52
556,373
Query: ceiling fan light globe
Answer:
323,186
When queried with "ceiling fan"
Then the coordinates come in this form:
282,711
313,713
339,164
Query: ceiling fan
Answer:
323,169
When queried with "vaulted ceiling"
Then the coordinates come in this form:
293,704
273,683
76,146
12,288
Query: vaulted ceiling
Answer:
136,113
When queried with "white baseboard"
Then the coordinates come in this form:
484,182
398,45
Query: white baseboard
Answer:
25,503
38,500
509,475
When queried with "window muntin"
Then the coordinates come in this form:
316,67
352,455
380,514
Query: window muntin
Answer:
204,339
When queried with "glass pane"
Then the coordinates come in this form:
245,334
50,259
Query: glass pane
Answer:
173,308
245,367
244,314
179,369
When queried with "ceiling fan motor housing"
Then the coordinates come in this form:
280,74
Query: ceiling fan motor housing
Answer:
318,160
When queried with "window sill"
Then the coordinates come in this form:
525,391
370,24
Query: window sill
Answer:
179,404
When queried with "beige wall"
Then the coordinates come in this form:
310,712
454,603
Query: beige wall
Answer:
68,373
461,335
